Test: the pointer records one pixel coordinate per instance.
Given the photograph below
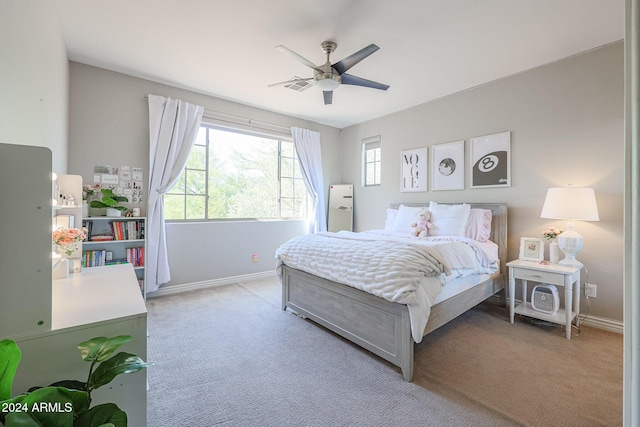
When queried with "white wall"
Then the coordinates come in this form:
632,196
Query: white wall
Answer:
566,123
109,126
34,78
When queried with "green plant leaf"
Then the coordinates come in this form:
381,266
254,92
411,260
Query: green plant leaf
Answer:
109,200
70,384
107,192
100,348
107,414
21,419
9,361
97,204
48,406
121,363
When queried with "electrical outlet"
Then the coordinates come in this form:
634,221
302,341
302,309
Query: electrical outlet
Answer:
590,290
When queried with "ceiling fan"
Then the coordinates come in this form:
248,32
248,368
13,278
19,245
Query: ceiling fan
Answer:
329,76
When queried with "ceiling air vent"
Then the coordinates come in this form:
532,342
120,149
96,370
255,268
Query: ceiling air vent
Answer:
299,86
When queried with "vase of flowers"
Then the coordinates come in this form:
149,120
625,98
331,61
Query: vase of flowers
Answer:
67,239
551,234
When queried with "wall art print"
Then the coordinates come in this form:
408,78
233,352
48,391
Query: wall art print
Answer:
490,160
414,170
447,166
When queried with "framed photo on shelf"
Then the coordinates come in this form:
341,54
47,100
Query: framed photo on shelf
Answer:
447,166
531,249
414,170
490,160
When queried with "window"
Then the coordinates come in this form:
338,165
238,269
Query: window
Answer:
371,161
236,175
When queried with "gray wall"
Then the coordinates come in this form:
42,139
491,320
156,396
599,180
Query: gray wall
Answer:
566,123
566,120
109,126
569,109
34,78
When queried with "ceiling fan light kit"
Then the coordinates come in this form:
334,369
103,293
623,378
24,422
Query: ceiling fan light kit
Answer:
329,77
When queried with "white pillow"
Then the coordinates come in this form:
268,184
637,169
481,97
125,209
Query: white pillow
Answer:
449,220
407,215
479,226
390,221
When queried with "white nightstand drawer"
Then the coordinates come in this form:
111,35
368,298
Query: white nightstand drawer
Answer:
539,276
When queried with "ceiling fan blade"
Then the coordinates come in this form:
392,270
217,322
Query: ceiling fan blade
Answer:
351,60
348,79
297,57
328,96
290,82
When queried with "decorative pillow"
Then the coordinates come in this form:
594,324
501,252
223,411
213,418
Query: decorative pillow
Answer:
390,221
449,220
479,225
407,215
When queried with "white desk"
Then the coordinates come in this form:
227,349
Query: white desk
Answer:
555,274
101,301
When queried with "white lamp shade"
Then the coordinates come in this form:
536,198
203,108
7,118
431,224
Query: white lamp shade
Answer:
570,203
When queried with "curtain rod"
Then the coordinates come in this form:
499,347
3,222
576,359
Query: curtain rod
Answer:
239,120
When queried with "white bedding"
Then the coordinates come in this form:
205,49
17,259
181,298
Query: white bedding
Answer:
395,266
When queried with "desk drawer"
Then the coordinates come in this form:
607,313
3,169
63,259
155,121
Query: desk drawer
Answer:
539,276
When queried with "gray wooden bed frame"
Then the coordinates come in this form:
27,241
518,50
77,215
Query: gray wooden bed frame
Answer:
380,326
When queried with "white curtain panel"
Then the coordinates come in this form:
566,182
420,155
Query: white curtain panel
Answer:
307,143
173,126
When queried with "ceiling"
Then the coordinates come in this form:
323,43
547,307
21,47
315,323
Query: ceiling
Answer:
428,48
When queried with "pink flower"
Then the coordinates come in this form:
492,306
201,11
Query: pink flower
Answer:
67,239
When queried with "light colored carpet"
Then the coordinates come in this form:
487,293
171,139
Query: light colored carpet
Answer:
230,356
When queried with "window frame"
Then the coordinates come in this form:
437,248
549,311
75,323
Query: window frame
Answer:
280,141
373,143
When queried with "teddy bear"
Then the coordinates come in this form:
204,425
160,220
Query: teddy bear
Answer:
422,226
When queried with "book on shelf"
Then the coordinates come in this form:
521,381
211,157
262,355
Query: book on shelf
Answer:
88,226
115,230
98,258
127,230
136,256
101,238
94,258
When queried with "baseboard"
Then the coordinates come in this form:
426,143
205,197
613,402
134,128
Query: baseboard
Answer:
603,323
174,289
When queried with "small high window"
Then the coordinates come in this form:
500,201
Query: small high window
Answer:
371,161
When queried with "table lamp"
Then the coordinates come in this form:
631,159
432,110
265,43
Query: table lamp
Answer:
572,204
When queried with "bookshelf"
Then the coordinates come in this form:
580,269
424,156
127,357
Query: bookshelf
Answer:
116,240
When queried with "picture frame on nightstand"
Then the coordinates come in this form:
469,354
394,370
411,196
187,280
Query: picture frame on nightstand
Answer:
531,249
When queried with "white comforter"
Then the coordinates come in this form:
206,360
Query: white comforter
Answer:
397,267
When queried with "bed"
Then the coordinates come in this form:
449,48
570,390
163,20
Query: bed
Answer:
384,327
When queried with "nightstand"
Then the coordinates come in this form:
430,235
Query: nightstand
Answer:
555,274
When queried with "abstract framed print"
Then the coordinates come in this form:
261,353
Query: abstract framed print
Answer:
447,166
490,160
